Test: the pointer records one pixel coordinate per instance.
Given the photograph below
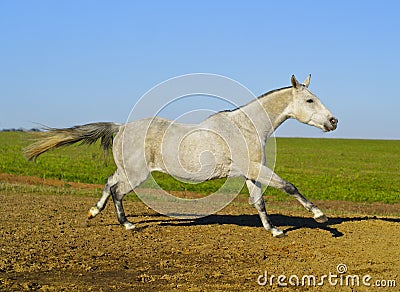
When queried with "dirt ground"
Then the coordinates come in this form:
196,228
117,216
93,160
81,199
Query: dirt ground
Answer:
47,244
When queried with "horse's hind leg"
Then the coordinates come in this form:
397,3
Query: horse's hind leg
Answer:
118,192
258,201
101,203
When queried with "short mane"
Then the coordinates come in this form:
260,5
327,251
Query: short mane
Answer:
262,95
274,90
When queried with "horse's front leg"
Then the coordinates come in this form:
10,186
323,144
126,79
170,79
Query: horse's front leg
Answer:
267,177
258,201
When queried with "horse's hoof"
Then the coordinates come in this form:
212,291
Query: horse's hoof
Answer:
277,233
129,226
321,219
93,212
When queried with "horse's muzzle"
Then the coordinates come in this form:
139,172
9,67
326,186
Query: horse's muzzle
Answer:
334,121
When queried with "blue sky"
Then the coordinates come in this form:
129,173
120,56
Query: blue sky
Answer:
64,63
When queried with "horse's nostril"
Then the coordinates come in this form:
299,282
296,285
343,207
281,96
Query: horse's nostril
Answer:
334,121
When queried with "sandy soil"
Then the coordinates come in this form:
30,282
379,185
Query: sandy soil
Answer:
47,244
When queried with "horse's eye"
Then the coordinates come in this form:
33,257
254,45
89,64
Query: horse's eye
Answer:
310,100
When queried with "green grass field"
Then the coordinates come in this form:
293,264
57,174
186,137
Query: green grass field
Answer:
326,169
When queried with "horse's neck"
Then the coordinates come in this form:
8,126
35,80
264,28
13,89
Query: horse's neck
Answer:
277,106
269,111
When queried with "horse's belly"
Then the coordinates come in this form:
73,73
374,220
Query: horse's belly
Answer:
199,166
194,153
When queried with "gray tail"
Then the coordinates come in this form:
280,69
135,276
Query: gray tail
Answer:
86,134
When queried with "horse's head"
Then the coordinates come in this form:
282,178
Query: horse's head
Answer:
308,109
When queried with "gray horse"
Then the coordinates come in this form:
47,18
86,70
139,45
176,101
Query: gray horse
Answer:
226,144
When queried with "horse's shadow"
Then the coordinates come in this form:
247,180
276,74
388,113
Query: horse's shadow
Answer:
292,222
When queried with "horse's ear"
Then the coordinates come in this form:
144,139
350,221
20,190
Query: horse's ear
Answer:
295,83
307,81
